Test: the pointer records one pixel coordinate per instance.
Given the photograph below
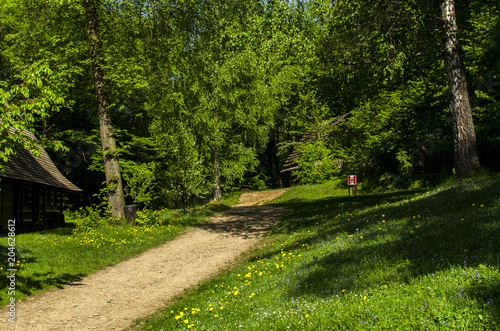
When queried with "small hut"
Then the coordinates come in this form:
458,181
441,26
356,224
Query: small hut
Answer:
321,132
31,190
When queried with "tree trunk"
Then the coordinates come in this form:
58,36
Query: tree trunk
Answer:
466,158
108,143
217,188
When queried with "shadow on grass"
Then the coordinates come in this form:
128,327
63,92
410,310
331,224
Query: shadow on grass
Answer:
28,284
65,229
301,216
456,226
487,290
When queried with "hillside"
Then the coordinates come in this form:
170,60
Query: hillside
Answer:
407,260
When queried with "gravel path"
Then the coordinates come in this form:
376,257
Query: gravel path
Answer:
113,298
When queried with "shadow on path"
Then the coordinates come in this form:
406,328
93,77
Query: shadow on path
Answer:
246,222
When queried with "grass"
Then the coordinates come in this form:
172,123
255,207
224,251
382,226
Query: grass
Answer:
406,260
58,256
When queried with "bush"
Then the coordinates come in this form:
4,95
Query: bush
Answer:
148,217
316,163
87,219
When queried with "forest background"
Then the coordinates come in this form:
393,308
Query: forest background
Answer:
198,97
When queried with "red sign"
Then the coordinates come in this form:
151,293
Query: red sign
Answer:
352,180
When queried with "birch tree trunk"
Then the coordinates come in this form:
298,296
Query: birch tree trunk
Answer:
466,158
111,165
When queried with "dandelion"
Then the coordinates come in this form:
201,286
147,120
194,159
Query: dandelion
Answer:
307,315
236,292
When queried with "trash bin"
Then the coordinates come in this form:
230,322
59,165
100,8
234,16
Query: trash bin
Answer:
131,213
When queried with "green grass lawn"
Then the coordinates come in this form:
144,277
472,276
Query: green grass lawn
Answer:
58,256
407,260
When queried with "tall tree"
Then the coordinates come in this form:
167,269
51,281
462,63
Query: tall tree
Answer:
466,158
390,44
216,84
108,141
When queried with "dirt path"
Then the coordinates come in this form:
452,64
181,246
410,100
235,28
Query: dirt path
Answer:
113,298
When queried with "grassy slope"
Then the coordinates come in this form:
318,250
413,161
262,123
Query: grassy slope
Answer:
55,257
411,260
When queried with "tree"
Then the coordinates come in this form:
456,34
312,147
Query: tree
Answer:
381,46
215,83
29,90
480,32
108,142
466,158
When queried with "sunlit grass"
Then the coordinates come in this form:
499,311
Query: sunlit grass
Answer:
408,260
59,256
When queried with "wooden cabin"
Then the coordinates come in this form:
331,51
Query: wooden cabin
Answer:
31,190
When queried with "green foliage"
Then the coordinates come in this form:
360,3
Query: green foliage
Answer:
22,103
396,132
216,103
140,181
481,51
33,82
316,163
90,218
86,219
182,174
148,217
257,182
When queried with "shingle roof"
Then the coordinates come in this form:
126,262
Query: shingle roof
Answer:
316,133
35,169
